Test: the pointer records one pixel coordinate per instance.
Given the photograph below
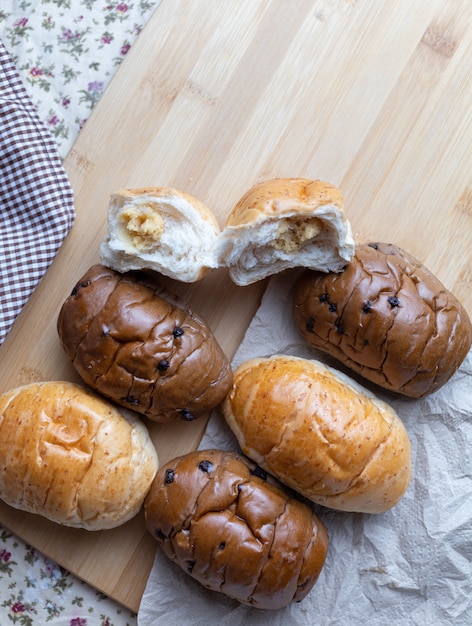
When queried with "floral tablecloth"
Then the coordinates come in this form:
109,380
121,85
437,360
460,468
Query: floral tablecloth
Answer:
66,52
36,591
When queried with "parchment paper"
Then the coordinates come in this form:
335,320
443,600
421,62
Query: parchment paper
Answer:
409,566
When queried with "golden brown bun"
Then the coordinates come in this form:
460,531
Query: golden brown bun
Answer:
72,457
142,347
387,318
160,229
284,223
213,514
319,433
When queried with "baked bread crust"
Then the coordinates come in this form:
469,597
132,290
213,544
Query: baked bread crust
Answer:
142,347
284,223
72,457
215,515
386,317
319,433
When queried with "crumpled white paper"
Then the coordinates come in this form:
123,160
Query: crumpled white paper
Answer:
409,566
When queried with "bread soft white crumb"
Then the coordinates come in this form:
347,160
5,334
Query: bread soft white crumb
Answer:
255,251
162,230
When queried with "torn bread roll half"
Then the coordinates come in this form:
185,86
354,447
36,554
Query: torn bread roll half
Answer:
283,223
72,457
319,433
160,229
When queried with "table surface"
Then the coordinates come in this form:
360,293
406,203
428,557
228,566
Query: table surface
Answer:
374,98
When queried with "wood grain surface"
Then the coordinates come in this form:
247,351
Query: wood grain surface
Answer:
374,97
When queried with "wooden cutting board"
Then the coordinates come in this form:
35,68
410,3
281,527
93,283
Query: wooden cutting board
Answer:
374,97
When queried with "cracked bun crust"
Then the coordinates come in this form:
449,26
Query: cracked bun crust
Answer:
387,318
142,347
284,223
214,514
319,433
72,457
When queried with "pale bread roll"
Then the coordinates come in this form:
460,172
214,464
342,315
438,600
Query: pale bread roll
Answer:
160,229
319,433
72,457
283,223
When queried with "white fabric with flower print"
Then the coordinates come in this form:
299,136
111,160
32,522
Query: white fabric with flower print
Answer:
66,52
35,591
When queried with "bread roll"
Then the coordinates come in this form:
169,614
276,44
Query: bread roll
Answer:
160,229
72,457
276,225
284,223
214,515
387,318
142,347
319,433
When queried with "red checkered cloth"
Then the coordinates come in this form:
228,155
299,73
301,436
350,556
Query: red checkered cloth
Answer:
36,198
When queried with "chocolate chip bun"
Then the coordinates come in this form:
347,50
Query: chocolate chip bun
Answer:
72,457
387,318
214,514
141,347
319,433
